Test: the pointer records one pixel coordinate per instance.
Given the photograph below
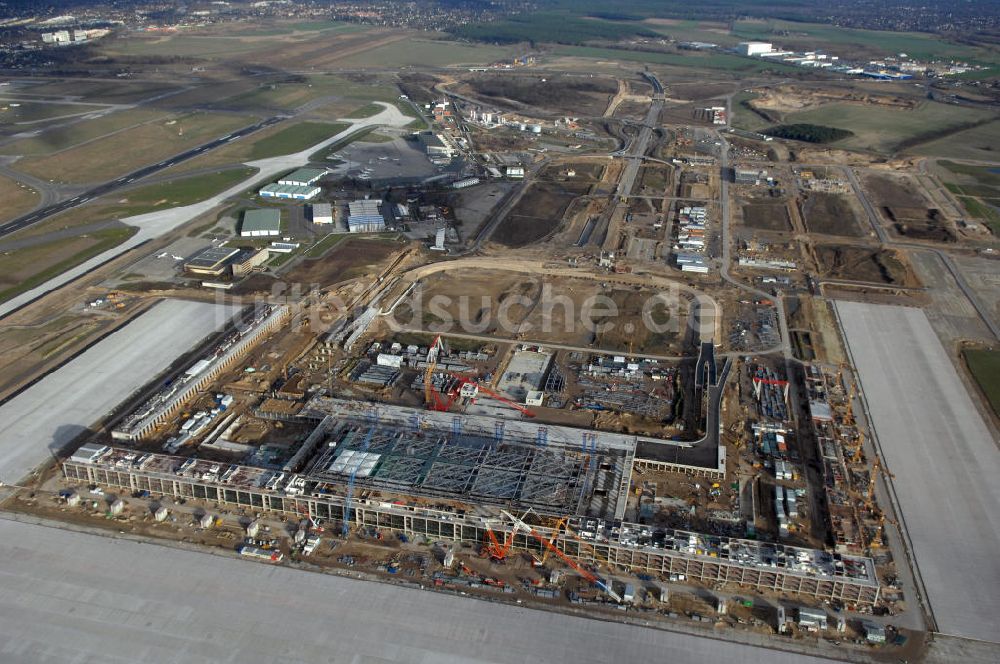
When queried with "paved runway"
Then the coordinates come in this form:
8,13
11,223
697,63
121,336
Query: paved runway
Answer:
946,464
61,405
85,598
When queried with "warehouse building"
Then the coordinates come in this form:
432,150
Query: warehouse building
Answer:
322,213
290,191
365,216
303,177
754,48
211,262
260,223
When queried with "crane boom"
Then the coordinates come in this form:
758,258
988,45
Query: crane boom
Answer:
521,525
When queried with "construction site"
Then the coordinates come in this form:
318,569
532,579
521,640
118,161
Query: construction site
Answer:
596,381
547,474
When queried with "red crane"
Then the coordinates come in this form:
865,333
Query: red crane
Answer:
443,403
600,583
496,551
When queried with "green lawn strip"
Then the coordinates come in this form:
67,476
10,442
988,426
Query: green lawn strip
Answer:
295,138
177,193
319,249
704,61
979,210
984,365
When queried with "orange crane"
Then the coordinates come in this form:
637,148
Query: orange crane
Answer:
600,583
873,477
555,535
431,396
494,549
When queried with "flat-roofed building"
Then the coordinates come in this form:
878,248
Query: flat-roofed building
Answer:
213,261
248,260
322,213
365,216
291,191
303,177
260,223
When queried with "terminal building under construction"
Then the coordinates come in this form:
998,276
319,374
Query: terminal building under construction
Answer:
448,476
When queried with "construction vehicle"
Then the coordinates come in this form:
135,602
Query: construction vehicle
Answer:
520,525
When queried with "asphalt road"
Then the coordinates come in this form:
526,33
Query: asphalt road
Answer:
42,213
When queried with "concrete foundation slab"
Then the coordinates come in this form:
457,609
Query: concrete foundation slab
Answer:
945,462
63,404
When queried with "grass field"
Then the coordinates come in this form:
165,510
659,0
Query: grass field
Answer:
275,142
287,95
17,199
983,211
717,61
185,45
277,29
131,148
884,129
62,138
101,91
177,193
743,117
326,244
295,138
428,53
985,368
980,143
812,36
13,111
713,33
27,268
977,188
366,111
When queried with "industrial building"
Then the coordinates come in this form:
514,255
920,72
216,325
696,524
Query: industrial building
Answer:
322,213
290,191
754,48
303,177
688,262
365,216
212,262
260,223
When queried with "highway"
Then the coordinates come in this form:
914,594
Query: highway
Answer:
38,215
634,155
